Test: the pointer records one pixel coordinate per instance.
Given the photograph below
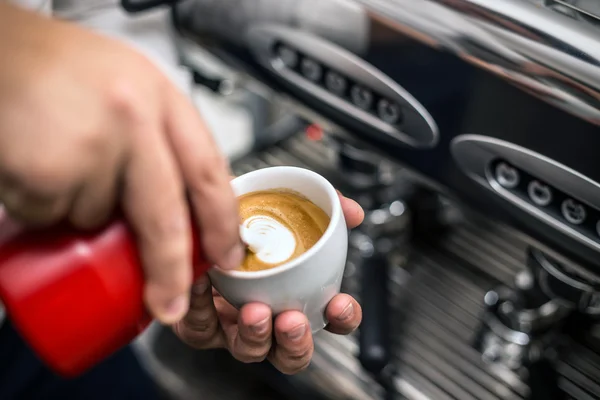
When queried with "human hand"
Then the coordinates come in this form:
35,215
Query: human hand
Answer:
88,124
250,334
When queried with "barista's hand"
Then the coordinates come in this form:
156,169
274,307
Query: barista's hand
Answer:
250,334
87,124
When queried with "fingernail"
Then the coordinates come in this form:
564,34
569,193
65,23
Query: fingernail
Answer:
261,327
234,258
176,308
347,313
297,333
201,286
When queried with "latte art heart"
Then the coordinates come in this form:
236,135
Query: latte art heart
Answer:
278,225
270,241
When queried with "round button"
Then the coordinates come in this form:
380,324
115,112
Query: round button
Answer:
539,193
573,211
288,56
389,112
311,69
336,83
507,176
362,97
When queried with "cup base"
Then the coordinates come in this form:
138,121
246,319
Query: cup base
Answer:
317,324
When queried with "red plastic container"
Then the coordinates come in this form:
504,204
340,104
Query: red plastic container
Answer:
75,297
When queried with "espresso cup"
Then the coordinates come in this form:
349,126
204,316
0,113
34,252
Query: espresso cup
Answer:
306,283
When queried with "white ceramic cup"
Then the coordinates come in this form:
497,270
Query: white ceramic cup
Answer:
308,282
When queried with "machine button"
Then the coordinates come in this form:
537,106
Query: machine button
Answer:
336,83
362,97
573,211
389,112
311,70
539,193
507,176
288,56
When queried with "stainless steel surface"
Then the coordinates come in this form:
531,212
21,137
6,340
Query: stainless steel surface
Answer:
547,54
579,8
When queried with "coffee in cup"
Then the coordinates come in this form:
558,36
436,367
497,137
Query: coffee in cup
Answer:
308,282
284,224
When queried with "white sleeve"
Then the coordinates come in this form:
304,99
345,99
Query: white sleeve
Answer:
43,6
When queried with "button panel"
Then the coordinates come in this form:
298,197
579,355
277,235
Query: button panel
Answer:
557,196
358,94
563,207
341,86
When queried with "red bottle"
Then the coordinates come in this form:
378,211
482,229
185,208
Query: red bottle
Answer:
75,297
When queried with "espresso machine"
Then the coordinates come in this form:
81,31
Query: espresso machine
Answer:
467,130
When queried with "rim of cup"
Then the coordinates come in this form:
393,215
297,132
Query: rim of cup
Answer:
336,209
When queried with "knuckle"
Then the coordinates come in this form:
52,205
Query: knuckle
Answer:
162,275
168,224
30,215
128,101
206,174
292,361
84,216
288,368
202,321
298,356
41,176
166,253
97,144
248,349
121,96
199,335
261,343
251,355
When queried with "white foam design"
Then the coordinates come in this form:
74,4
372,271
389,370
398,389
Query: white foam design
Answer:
271,241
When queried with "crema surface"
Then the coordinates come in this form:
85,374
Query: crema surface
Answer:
290,224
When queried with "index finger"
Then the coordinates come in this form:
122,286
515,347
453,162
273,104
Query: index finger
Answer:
206,176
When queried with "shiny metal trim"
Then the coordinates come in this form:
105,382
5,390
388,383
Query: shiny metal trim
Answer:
418,130
545,53
474,154
577,9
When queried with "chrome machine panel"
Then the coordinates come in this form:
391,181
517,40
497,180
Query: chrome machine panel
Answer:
467,93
